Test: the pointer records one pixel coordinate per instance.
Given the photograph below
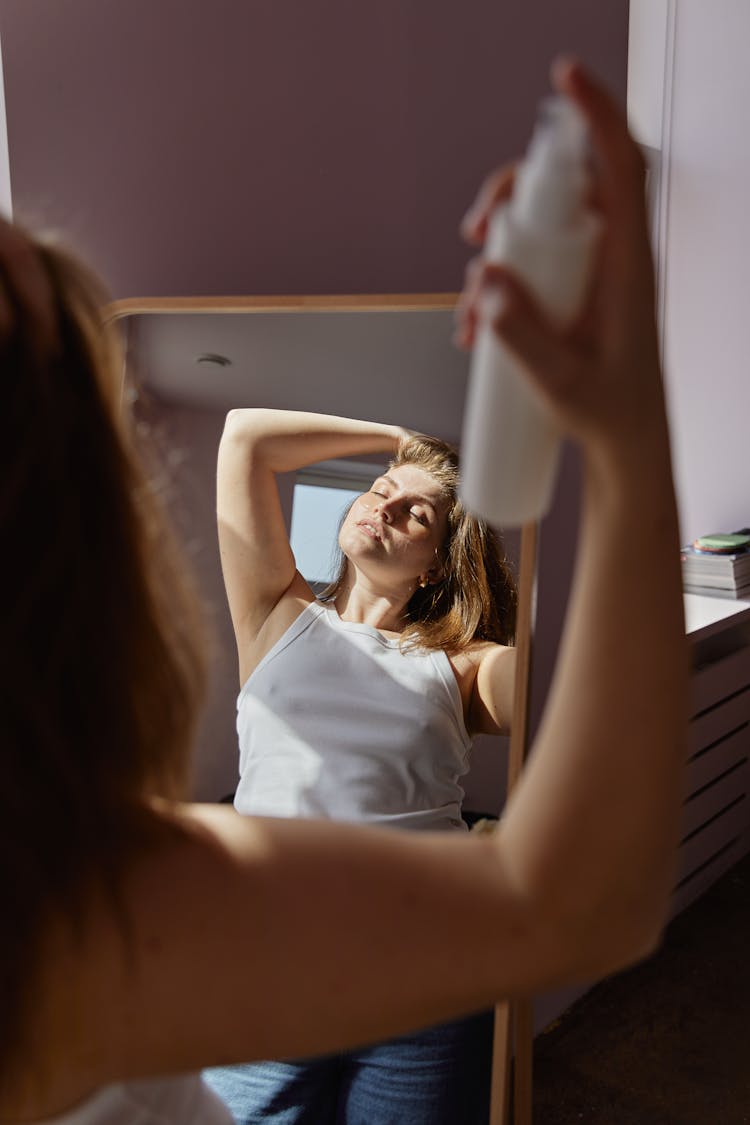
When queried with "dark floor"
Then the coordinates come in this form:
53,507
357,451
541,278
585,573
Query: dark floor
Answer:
668,1042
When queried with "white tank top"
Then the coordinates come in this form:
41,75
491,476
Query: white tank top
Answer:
185,1100
336,721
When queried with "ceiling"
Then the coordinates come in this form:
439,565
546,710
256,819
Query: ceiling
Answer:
395,365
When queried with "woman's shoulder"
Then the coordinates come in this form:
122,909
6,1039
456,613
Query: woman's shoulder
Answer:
476,652
295,599
465,664
485,671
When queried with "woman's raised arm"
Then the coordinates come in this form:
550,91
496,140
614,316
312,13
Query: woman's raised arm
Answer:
256,558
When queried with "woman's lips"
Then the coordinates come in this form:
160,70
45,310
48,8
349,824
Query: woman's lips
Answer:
370,529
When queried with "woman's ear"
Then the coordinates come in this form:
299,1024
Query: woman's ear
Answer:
438,569
434,575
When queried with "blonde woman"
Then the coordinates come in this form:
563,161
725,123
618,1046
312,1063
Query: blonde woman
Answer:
361,706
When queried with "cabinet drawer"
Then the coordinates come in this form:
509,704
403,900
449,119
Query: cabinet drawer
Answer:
711,800
708,842
696,881
715,759
720,678
716,722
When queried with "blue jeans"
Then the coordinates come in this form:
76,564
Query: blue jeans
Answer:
440,1076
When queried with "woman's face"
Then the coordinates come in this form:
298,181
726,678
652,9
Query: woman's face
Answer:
397,528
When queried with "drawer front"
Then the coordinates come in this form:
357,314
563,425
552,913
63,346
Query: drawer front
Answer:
725,791
718,721
707,844
695,881
721,678
715,760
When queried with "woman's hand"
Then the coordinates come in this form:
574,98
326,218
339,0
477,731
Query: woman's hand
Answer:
600,374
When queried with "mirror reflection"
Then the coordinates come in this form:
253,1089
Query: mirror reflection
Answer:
406,367
360,698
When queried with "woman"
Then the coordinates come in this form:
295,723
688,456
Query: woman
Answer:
151,937
361,706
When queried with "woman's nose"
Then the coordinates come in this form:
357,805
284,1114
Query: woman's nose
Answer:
384,511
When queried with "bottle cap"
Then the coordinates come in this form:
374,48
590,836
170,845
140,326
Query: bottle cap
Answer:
552,180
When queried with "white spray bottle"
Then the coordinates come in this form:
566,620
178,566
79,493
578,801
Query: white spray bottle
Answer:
510,444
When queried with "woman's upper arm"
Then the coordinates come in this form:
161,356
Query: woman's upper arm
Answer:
491,708
256,558
263,969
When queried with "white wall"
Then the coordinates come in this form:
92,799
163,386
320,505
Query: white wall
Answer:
699,115
5,196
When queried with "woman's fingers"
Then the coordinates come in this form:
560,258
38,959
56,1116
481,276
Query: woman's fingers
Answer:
465,315
619,164
496,188
595,372
625,276
494,294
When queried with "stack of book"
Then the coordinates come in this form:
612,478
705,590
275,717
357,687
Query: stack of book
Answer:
718,565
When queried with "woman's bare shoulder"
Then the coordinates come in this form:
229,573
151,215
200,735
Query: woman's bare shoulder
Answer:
250,651
468,661
486,677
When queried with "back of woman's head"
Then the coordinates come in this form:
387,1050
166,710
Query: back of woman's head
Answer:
99,674
475,597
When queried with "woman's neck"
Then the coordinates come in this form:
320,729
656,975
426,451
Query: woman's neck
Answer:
383,610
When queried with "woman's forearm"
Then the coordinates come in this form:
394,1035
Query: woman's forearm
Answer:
286,440
592,831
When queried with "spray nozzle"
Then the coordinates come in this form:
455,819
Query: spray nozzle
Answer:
551,182
560,127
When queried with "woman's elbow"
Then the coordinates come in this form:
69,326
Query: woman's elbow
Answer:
590,941
618,942
242,420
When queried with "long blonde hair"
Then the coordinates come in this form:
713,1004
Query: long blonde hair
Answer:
476,597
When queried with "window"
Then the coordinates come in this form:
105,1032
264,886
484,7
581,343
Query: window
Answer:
322,494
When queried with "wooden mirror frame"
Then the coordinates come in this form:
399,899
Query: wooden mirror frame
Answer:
513,1030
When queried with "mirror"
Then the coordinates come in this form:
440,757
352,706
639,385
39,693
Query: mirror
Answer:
201,357
198,358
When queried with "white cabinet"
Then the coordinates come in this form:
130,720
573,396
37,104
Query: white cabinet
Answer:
716,810
715,831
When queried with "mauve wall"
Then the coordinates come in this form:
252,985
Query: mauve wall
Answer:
278,146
